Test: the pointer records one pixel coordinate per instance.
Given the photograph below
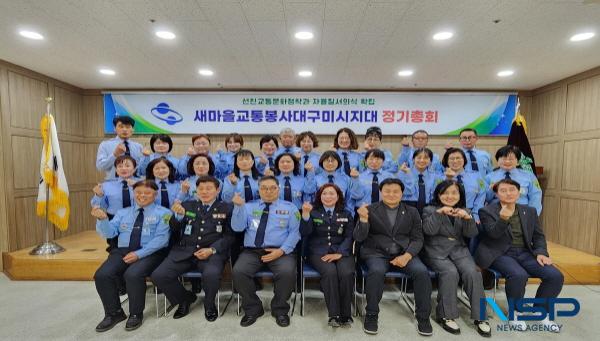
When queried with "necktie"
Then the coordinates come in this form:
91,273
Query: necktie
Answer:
459,179
375,188
270,162
135,240
205,208
305,161
474,165
127,151
262,226
287,150
164,195
125,195
329,215
346,163
247,189
507,175
421,200
287,190
330,177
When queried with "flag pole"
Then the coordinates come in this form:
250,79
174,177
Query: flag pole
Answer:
48,247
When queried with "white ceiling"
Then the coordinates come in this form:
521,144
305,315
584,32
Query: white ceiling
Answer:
358,44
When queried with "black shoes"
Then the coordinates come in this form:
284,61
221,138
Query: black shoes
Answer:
282,320
483,328
449,325
424,327
249,320
110,321
370,323
346,321
334,322
211,314
134,322
184,307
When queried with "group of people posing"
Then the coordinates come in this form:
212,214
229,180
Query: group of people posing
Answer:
340,211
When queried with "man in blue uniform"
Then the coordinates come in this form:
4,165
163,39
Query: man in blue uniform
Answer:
121,144
271,229
143,235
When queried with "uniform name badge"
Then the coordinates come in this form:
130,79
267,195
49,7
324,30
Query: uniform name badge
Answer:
219,228
254,224
340,230
188,230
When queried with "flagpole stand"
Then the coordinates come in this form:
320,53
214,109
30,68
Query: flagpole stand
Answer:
48,247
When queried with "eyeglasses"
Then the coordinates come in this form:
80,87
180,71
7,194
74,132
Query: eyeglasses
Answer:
268,189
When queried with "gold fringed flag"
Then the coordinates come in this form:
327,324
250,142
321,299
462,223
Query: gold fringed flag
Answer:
52,178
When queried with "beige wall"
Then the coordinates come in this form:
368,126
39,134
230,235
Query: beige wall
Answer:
564,130
22,104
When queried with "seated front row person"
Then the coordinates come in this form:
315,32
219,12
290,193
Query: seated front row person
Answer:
446,224
203,236
143,235
514,244
271,229
391,236
328,228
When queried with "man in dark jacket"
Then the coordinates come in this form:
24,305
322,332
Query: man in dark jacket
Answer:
391,235
203,237
514,244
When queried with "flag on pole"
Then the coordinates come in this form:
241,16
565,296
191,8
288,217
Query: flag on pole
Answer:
53,191
518,137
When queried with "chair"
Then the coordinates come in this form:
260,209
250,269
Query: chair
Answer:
307,271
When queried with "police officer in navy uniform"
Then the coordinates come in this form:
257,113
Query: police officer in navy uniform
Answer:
143,235
328,229
271,231
203,227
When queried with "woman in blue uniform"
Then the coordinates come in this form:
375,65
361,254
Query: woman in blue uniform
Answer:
161,146
266,160
243,180
162,172
294,187
198,165
331,163
454,160
307,142
418,180
371,177
346,144
373,138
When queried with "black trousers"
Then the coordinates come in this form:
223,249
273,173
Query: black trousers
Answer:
337,282
517,265
378,266
166,278
284,279
134,275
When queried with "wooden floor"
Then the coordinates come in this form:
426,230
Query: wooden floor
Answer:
86,251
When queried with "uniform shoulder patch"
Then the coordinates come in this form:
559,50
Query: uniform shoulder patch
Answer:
297,215
166,218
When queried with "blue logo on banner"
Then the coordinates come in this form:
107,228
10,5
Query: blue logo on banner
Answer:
164,113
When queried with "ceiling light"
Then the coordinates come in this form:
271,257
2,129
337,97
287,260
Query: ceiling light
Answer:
304,35
405,73
108,72
165,35
583,36
206,72
505,73
305,73
31,35
443,35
